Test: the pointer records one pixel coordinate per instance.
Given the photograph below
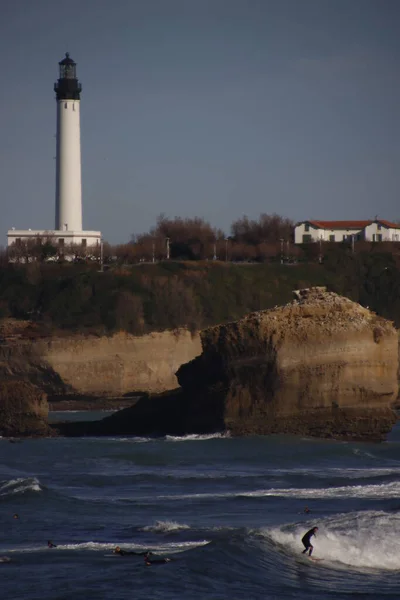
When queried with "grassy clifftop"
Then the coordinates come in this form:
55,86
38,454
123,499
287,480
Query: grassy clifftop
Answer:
170,295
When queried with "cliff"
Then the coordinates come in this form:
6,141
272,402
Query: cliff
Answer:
96,366
321,365
23,410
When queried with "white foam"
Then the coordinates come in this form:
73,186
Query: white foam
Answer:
364,540
164,526
196,437
388,490
171,547
19,486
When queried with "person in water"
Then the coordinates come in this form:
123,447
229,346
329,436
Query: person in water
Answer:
15,516
158,561
50,544
306,540
118,550
307,510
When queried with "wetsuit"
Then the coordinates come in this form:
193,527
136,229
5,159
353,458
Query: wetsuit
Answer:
306,540
158,561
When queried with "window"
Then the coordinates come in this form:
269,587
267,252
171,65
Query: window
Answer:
379,236
379,226
306,238
65,105
307,227
344,237
18,242
84,244
332,238
61,242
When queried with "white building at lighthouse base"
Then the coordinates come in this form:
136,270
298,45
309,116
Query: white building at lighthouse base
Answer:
67,243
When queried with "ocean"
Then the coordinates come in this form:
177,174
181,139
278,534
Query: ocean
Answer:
229,512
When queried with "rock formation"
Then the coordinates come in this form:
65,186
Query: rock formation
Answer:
23,410
92,366
320,366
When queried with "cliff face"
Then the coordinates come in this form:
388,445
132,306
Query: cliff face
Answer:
97,366
321,365
23,410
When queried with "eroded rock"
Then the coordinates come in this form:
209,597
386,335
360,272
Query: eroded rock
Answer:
23,410
321,365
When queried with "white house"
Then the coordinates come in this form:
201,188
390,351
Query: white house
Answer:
378,230
60,239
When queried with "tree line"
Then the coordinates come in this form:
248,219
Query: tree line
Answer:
147,297
268,239
262,239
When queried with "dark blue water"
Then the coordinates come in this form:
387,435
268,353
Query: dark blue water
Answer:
229,512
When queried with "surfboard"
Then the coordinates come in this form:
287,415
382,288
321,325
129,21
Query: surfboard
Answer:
315,559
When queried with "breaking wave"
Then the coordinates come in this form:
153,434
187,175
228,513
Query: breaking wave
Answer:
165,526
363,540
388,490
196,437
19,486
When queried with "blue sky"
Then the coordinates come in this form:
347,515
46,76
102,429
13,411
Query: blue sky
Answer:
209,108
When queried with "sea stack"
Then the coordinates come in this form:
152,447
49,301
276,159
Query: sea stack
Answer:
322,365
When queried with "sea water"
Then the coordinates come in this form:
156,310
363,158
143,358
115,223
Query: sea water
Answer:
229,512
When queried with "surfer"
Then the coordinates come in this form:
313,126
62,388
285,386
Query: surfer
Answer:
15,516
118,550
306,540
50,544
158,561
307,510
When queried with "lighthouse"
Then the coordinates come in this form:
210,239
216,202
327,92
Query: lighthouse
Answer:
68,153
68,236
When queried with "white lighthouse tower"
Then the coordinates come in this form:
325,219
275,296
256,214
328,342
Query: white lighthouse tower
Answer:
68,157
67,236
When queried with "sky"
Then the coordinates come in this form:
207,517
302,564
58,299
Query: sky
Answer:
207,108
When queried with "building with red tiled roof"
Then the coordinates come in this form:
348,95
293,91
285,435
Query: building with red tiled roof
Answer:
378,230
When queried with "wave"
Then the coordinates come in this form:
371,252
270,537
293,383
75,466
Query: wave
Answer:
388,490
130,440
171,548
164,526
19,486
167,438
344,473
363,540
381,491
196,437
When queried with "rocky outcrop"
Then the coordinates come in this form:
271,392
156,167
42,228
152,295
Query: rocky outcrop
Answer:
92,366
320,366
23,410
